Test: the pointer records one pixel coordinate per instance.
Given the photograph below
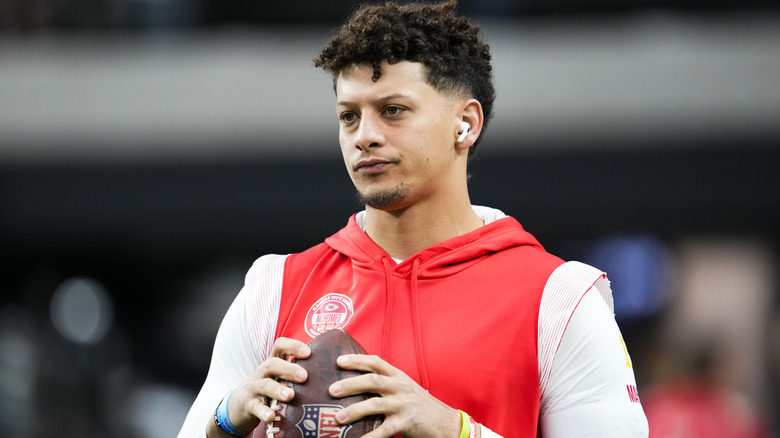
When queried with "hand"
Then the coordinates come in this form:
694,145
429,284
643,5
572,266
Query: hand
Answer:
409,409
247,406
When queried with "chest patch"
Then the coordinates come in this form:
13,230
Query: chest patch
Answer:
332,311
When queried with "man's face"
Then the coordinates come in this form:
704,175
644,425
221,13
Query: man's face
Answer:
397,134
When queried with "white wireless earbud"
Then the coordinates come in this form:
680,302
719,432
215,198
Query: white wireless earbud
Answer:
464,131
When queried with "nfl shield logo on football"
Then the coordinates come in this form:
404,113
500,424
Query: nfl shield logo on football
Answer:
319,421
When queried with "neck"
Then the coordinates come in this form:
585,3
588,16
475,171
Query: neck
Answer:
402,233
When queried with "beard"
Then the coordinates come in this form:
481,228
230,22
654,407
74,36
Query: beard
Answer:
382,199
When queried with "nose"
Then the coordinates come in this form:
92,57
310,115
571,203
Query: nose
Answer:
369,133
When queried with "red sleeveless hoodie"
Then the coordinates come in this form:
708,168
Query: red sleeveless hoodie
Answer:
460,317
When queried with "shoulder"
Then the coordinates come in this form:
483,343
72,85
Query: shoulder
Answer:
262,288
272,273
265,266
569,282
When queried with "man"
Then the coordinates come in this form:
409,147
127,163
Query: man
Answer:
472,328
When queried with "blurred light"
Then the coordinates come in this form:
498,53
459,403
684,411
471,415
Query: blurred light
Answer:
639,268
81,310
158,410
16,338
19,364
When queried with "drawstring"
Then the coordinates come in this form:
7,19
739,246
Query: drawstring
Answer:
388,308
415,318
416,326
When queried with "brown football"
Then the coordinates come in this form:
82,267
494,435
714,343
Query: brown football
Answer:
310,414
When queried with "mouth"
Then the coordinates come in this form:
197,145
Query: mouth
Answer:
371,165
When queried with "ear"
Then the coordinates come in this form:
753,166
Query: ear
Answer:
470,111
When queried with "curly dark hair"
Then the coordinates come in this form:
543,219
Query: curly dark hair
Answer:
456,60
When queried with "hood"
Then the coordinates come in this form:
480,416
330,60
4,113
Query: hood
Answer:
440,260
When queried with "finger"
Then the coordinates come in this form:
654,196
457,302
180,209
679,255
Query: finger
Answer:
388,428
369,383
287,348
277,367
247,403
267,384
272,388
250,400
372,406
365,362
262,411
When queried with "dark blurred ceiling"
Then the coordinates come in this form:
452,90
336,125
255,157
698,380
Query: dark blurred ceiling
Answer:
112,15
313,11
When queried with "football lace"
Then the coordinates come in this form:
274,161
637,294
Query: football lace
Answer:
271,429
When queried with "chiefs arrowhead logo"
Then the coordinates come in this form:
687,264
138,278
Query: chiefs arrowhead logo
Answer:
332,311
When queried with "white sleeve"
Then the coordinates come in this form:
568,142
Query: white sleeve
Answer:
244,340
590,390
487,433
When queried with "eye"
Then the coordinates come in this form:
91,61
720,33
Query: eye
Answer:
347,117
393,110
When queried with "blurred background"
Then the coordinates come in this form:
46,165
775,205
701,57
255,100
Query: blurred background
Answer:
150,150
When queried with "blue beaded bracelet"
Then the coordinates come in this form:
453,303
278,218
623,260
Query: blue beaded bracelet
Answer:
223,420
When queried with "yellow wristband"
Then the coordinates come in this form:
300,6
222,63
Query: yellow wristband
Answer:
465,425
